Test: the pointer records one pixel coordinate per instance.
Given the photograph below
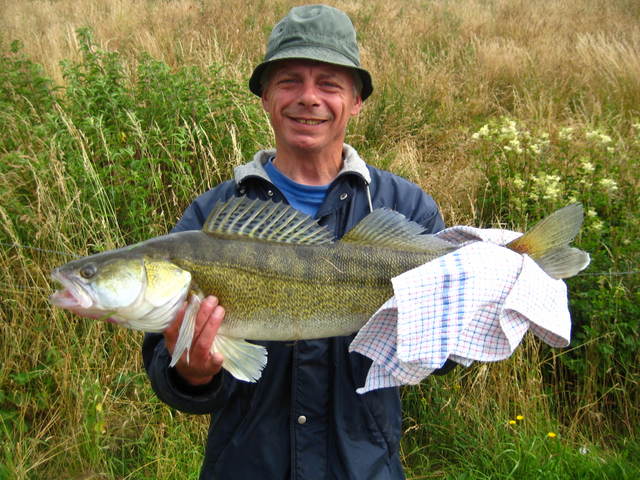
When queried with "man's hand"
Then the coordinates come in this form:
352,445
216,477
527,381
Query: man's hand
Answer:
203,365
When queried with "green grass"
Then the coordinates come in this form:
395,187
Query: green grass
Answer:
113,150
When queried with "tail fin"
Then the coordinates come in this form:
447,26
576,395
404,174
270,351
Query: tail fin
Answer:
548,243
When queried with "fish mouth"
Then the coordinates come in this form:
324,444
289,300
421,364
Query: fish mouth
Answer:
72,296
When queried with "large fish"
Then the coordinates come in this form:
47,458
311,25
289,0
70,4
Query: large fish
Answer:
279,275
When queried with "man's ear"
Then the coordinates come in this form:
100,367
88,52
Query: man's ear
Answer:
357,106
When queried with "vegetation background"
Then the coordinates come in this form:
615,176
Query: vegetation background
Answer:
115,114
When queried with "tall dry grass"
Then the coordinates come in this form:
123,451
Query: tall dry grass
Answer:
528,57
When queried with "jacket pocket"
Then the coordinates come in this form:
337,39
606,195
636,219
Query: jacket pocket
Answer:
381,410
383,406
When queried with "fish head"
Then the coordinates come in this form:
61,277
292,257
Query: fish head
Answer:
134,291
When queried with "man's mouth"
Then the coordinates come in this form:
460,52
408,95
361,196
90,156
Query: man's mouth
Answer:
308,121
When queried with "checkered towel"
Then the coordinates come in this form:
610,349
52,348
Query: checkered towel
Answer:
474,304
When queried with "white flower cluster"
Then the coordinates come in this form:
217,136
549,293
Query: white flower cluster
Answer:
484,132
510,136
594,222
566,134
506,134
586,166
546,187
537,145
598,136
609,185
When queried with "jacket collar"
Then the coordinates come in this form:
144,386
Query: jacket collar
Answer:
352,164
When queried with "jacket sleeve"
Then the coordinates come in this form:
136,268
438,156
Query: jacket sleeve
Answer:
426,213
394,192
165,381
171,388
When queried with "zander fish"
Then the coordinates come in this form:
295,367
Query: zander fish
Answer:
278,273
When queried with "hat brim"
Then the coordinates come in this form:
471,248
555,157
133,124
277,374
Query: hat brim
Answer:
317,54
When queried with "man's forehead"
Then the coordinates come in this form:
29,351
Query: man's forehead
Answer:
296,65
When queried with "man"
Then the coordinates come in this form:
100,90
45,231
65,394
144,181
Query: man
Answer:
303,419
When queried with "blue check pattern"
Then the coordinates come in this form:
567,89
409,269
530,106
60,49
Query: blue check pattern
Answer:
474,304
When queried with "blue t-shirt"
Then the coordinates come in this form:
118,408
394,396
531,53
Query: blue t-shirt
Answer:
305,198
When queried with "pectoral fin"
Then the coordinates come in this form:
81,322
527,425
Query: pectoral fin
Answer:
242,359
187,329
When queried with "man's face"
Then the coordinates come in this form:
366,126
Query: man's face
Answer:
309,104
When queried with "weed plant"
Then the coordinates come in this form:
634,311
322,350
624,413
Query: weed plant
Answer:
114,115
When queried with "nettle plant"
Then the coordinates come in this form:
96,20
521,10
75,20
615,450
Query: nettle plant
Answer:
530,174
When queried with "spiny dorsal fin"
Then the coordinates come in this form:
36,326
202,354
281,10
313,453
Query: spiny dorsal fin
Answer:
268,221
390,229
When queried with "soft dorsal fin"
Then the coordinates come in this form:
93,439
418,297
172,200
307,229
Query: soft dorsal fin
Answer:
390,229
268,221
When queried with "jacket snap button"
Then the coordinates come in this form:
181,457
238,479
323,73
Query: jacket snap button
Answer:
343,196
270,193
302,419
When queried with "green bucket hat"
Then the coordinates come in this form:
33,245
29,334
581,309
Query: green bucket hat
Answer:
314,32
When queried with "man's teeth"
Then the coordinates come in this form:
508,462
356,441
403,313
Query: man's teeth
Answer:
309,122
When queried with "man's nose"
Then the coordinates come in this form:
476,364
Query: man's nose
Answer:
309,95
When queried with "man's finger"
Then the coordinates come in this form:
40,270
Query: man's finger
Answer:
205,340
207,306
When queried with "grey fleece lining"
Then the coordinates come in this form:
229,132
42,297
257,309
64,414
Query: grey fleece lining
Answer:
352,163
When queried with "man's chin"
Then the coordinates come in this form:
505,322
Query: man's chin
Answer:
310,143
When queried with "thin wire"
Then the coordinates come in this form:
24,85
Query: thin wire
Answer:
15,245
632,272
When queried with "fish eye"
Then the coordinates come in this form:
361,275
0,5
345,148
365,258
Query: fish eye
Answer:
88,271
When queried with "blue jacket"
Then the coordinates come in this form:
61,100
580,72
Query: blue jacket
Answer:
303,419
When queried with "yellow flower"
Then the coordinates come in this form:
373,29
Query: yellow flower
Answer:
520,418
551,435
512,422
